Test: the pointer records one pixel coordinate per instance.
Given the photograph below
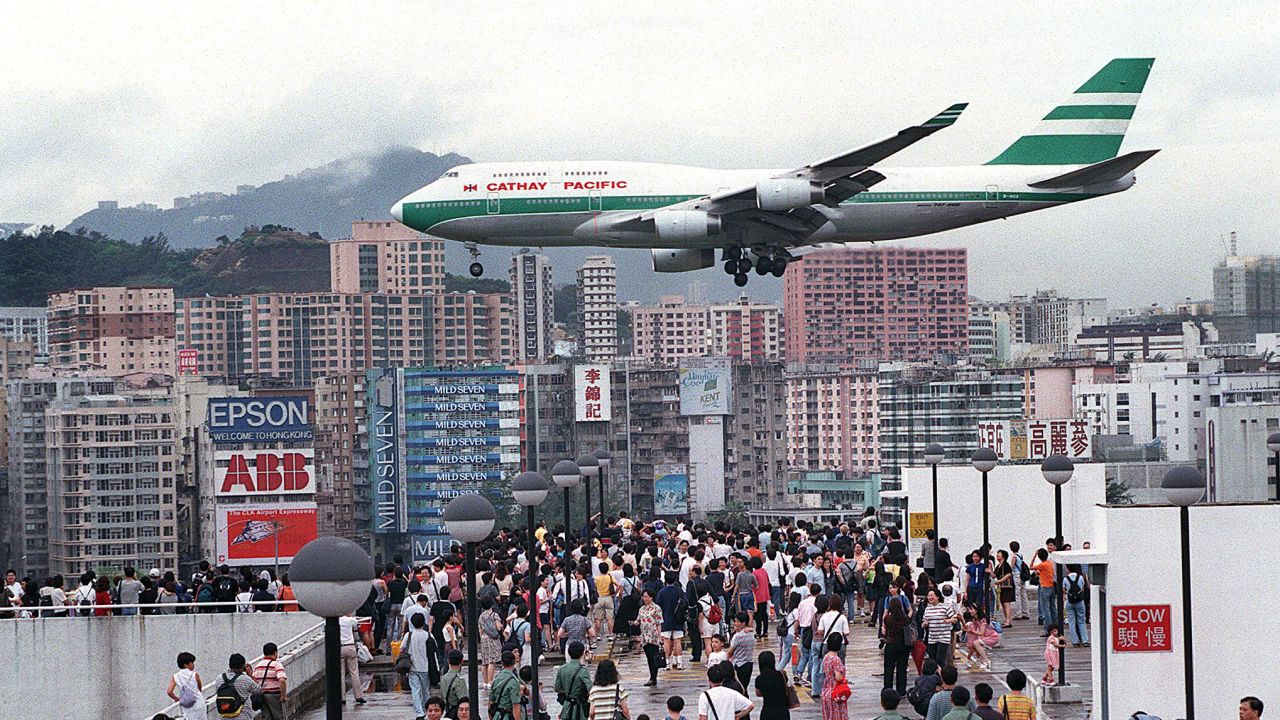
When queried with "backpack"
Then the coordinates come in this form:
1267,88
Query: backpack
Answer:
845,574
205,593
187,697
228,700
1024,572
225,588
681,613
1075,590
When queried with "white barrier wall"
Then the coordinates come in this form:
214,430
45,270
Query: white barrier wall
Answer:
1020,505
1234,633
119,667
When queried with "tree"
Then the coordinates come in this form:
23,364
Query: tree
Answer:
462,283
1118,493
734,514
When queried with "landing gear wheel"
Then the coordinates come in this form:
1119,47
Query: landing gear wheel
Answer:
744,266
476,269
763,266
779,268
740,279
733,252
731,267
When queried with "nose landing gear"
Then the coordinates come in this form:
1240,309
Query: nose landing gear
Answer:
476,269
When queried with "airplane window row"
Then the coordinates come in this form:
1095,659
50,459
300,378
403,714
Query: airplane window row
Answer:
451,174
520,174
461,203
926,196
591,172
554,201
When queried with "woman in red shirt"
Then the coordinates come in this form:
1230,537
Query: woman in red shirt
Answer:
102,597
761,596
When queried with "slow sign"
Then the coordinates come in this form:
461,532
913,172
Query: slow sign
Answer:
1141,628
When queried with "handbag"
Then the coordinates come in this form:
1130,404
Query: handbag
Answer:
841,692
362,653
404,662
617,704
661,658
793,698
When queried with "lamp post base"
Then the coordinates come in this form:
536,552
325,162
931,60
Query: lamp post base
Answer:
1063,694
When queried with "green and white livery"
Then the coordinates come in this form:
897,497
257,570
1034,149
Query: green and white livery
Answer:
761,219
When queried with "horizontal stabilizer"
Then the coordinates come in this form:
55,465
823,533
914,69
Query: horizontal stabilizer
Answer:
1102,172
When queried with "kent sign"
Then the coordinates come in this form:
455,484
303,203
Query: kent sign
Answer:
1141,628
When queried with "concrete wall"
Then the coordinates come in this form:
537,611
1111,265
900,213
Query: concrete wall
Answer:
1020,505
119,667
1234,632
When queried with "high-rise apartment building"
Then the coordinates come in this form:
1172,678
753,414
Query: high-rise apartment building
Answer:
342,457
112,330
598,308
745,331
533,303
1246,297
882,303
212,329
755,457
386,257
833,419
111,471
1059,321
1018,310
18,323
671,330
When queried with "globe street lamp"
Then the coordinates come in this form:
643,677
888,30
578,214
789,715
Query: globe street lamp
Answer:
566,475
605,458
1273,444
470,519
934,454
984,461
1058,469
331,577
1184,486
530,490
589,466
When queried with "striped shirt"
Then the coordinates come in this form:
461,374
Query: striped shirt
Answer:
939,619
1016,707
604,700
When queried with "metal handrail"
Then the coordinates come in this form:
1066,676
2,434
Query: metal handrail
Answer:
81,611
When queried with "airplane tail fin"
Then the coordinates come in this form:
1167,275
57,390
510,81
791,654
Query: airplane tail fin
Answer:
1088,127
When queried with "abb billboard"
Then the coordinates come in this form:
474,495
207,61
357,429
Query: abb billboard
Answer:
258,534
248,473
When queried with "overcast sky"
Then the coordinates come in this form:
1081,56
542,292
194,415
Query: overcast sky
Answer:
138,103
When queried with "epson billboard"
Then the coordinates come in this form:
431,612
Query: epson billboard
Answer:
251,420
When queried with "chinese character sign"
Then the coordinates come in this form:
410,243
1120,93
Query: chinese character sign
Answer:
1141,628
1036,439
995,435
188,361
592,402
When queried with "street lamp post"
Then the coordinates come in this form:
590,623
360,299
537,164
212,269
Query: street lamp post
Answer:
934,454
589,466
984,461
605,458
330,577
530,490
470,519
1273,444
566,476
1058,469
1184,486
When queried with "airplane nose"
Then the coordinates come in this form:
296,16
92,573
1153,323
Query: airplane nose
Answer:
397,211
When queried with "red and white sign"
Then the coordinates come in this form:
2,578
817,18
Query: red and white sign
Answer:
247,473
258,534
1141,628
592,401
188,361
1036,439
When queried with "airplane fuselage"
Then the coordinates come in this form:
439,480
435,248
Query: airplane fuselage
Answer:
571,203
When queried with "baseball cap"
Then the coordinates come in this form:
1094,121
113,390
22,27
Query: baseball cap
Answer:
155,572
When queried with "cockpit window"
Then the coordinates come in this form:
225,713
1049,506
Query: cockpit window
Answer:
451,174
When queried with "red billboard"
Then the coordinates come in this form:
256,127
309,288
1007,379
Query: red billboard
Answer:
188,361
1141,628
258,534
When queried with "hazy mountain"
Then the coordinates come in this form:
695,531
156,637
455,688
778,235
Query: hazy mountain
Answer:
327,199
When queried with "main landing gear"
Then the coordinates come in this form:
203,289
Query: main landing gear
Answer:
476,268
738,264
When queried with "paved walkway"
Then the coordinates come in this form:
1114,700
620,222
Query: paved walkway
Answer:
1022,647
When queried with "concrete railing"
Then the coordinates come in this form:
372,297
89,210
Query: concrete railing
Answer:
303,658
119,666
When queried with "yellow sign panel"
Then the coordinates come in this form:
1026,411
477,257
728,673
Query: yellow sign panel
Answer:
918,523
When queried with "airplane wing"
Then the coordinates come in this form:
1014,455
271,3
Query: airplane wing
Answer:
842,177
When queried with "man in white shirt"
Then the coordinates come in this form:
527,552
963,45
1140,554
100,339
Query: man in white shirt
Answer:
420,606
722,703
13,586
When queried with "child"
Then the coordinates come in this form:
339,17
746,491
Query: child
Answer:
675,707
1051,646
718,653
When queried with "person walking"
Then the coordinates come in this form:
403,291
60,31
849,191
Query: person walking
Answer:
1075,588
417,643
1003,583
650,622
834,706
1046,604
573,684
506,692
937,621
454,689
270,675
186,688
607,698
674,606
719,702
235,689
1021,574
490,641
349,635
742,649
896,651
771,688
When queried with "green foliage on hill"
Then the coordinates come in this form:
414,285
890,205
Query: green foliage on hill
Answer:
466,283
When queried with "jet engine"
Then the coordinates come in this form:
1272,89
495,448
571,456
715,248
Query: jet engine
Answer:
683,259
780,194
685,225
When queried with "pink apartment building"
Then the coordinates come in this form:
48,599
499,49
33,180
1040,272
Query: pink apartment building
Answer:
880,303
112,330
832,419
386,257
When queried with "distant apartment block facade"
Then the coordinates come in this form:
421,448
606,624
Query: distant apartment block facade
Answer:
211,329
1246,297
745,331
112,330
665,333
18,323
881,303
386,257
598,308
832,419
533,304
